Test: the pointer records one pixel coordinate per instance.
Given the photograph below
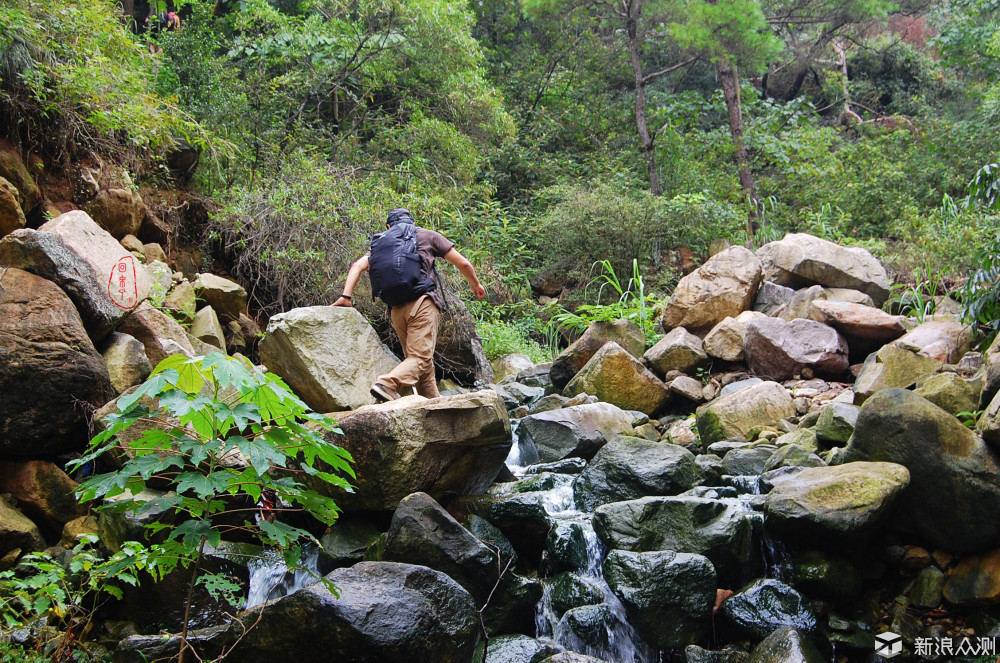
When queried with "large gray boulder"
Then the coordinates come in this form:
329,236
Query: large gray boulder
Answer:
572,359
724,286
17,532
732,416
518,649
991,381
835,504
950,392
631,467
945,340
81,258
50,371
422,532
954,491
329,355
386,612
801,260
452,445
765,605
779,349
668,595
721,531
679,350
580,430
615,376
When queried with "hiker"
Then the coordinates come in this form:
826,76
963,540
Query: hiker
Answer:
173,21
415,299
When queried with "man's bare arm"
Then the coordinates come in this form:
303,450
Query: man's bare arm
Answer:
359,267
467,270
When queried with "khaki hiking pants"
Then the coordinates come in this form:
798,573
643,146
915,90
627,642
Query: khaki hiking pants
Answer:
416,324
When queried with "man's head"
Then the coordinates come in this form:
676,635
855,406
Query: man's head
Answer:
400,214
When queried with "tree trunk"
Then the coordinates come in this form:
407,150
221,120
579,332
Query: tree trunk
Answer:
640,99
729,78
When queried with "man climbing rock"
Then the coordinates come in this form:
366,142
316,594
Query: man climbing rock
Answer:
401,265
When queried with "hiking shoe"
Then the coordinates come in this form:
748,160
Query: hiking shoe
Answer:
382,393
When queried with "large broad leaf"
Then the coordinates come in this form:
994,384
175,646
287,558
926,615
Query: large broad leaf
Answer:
204,485
261,452
229,372
190,533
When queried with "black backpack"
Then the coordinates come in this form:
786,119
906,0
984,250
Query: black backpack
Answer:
395,267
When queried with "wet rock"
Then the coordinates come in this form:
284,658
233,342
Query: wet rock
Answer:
567,466
695,654
537,376
781,350
943,458
928,588
393,613
804,438
565,548
801,260
787,645
580,430
208,643
330,356
615,376
974,581
518,649
51,376
572,590
749,461
826,575
629,467
515,394
569,362
573,657
834,504
765,605
991,380
667,595
347,541
448,445
734,415
716,529
724,286
679,350
421,532
522,519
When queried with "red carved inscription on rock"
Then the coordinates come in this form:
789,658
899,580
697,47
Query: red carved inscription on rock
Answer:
122,286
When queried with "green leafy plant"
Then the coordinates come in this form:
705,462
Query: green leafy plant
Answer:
917,300
969,419
984,188
981,293
629,302
222,435
65,595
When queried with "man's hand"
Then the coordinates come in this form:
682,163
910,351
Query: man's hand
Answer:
342,301
479,290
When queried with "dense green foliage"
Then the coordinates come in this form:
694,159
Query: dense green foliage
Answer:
510,125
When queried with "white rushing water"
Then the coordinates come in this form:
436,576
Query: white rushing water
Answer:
619,641
271,579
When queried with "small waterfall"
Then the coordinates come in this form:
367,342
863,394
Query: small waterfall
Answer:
619,641
270,578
